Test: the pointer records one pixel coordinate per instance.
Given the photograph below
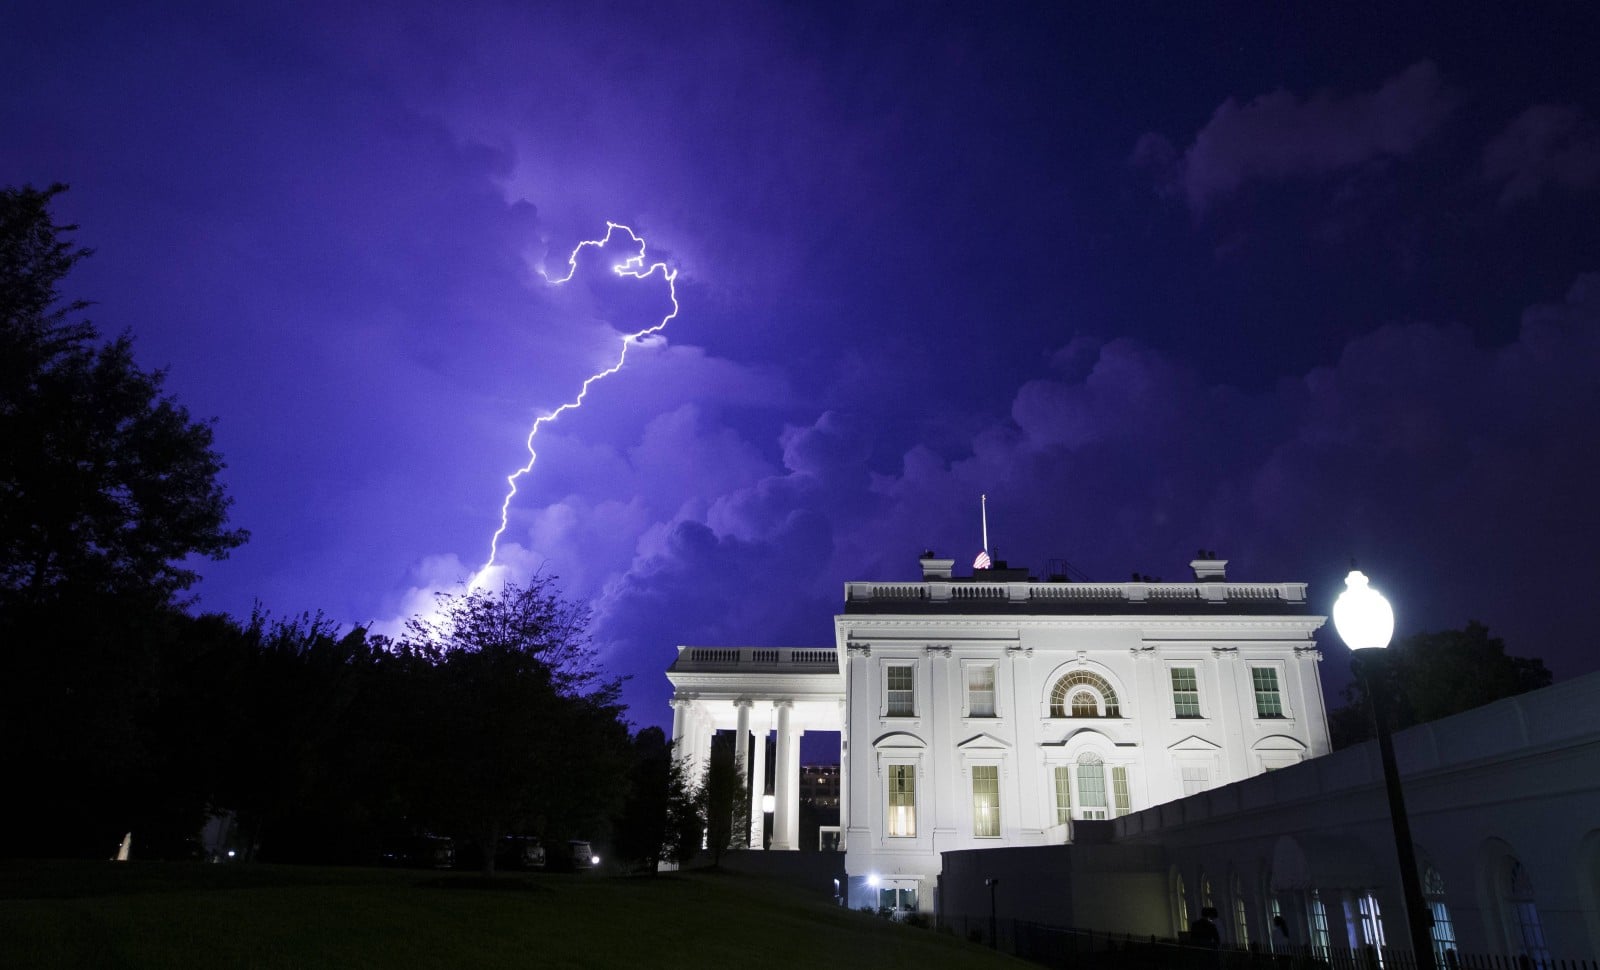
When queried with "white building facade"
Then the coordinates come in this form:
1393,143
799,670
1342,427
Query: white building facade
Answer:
996,710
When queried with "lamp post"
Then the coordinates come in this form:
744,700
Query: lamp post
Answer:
1366,623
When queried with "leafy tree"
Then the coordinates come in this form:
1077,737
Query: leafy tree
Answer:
686,822
723,800
1434,675
107,485
640,832
518,729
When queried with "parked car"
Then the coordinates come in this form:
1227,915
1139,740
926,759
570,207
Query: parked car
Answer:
521,852
582,854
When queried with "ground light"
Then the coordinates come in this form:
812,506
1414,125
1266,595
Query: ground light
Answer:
1365,623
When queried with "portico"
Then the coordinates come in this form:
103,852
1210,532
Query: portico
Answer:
753,691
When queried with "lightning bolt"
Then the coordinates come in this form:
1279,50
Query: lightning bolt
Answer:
634,267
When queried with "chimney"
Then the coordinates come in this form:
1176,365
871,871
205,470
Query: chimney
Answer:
935,568
1208,568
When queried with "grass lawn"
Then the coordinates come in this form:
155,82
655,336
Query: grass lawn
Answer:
100,914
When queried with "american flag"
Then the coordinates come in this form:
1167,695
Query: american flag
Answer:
983,561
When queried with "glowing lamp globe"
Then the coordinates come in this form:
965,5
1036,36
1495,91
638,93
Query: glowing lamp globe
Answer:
1361,615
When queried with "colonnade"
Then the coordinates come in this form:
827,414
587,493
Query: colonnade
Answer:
693,726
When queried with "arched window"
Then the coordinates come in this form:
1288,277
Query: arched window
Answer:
1180,903
1092,698
1522,914
1444,931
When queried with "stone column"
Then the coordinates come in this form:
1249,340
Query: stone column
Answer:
680,717
741,743
741,740
844,774
758,790
785,820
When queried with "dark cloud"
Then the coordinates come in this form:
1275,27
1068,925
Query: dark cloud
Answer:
1554,146
1280,135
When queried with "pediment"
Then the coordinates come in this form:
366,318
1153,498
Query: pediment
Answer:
1194,743
899,740
982,742
1083,732
1278,742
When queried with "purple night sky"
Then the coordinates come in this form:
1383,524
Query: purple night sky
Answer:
1305,287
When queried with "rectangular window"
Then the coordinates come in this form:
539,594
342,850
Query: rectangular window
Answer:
986,801
1119,790
903,801
1063,794
1196,778
901,691
1092,790
1269,703
1444,932
1371,922
980,690
1319,925
1185,692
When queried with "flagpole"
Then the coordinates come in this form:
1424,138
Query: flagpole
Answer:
985,499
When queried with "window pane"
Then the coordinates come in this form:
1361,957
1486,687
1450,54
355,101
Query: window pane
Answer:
1083,705
1092,789
901,691
1268,702
1119,790
1063,794
1185,692
902,801
986,801
1196,778
980,691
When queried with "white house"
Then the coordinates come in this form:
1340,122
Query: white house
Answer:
993,710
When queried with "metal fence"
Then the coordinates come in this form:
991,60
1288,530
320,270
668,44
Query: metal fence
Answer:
1056,946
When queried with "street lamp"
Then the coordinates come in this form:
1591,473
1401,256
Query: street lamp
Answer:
1366,623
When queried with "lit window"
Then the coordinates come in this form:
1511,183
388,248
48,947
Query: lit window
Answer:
1196,778
902,801
1444,930
980,690
1318,925
1119,790
1063,794
1059,705
1185,692
1180,903
986,801
1091,787
1269,703
900,690
1371,923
